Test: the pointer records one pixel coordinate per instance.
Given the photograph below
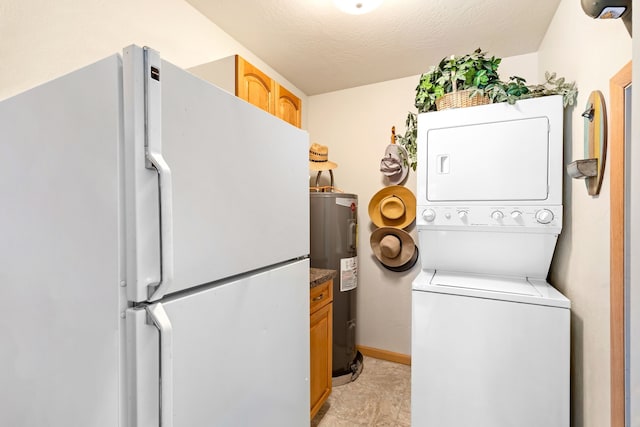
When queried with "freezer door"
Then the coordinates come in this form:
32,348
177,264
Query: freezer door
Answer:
229,191
238,354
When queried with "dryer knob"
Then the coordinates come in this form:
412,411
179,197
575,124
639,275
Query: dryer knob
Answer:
463,215
497,215
429,215
544,216
516,214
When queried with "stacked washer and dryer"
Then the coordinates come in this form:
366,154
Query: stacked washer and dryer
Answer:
490,336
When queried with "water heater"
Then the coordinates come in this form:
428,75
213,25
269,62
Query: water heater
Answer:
333,243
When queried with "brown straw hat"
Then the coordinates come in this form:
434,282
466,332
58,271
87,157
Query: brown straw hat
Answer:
393,206
394,248
319,158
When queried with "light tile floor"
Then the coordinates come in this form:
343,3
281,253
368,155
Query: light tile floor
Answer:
381,396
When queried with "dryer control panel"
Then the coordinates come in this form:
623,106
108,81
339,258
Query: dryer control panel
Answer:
533,218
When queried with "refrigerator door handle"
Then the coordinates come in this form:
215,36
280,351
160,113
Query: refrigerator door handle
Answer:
154,160
166,232
159,318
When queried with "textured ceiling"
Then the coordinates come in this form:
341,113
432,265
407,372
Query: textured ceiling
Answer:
320,49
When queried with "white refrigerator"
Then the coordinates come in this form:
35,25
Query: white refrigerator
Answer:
154,256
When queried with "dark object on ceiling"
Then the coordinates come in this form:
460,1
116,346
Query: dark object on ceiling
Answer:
609,9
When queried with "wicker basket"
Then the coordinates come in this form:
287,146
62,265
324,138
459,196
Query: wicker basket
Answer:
460,99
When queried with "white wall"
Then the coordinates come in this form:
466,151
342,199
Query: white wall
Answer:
41,39
356,126
589,52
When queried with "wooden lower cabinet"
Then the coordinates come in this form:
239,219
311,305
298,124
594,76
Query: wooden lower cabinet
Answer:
321,330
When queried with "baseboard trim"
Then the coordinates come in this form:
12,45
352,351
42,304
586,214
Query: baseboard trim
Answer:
391,356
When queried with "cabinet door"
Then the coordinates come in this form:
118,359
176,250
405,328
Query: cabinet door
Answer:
321,353
288,106
254,86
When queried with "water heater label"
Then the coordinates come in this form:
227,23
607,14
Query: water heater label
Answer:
350,203
348,273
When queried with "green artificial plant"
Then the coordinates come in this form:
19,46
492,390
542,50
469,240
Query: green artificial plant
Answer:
516,88
454,73
409,139
479,73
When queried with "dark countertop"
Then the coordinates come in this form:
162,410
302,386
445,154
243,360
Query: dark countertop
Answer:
320,275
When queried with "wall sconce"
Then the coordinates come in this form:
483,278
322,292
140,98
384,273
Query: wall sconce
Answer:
591,169
609,9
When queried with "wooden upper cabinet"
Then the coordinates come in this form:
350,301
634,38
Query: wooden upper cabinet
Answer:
288,106
235,75
254,86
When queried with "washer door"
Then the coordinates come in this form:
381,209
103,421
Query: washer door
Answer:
524,290
487,363
510,285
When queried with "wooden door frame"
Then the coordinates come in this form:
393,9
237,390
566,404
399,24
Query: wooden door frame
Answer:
617,86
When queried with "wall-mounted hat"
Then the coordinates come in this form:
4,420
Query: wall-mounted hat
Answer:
319,158
393,206
395,165
394,248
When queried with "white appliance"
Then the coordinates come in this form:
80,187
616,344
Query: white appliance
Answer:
145,279
490,337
